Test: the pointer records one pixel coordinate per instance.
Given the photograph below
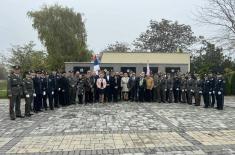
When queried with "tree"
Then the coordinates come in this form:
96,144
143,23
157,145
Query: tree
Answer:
210,58
28,58
118,47
220,13
62,32
165,36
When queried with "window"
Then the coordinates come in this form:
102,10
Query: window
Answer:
152,69
82,70
128,69
107,68
172,69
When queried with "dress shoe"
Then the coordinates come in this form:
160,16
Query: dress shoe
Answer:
20,116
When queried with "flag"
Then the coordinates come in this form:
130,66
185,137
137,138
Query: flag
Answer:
148,69
96,64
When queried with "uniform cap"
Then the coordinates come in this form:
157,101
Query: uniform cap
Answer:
16,67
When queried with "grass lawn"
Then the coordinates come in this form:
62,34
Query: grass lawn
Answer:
3,88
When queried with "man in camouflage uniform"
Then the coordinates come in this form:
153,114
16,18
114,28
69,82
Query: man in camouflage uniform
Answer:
80,87
206,91
190,88
14,91
183,89
28,89
198,90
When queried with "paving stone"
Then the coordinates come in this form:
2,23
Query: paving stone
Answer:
120,128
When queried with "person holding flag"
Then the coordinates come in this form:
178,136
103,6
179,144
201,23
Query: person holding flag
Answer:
96,64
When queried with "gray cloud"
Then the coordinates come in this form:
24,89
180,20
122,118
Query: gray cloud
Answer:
107,21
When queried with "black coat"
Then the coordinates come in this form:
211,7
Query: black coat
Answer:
38,85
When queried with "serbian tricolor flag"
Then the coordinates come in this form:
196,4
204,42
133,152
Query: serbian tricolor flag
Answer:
96,64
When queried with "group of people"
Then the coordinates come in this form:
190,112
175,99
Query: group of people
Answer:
43,90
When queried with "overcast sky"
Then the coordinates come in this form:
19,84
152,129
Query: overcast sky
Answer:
106,21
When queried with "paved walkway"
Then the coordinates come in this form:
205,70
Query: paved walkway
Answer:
122,128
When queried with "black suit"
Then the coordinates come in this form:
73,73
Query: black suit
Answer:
44,93
108,94
141,85
64,94
132,85
38,91
114,88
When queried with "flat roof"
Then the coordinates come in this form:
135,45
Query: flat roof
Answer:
146,57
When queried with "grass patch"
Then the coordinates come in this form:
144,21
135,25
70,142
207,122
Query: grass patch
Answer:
3,89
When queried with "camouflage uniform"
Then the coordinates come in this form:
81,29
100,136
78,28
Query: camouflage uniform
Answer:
14,91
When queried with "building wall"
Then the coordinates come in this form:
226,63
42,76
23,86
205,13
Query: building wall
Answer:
117,67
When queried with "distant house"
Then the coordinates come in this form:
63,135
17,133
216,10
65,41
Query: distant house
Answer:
137,62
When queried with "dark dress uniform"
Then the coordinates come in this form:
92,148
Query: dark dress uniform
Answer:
170,84
212,91
51,91
14,91
176,89
219,91
28,92
57,90
132,85
206,90
191,89
44,92
198,91
39,93
163,88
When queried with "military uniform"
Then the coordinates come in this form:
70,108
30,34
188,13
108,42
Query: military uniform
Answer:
72,89
14,91
198,91
163,88
219,91
156,89
88,84
39,93
44,92
170,89
191,89
176,89
212,91
28,92
206,90
80,89
184,90
51,91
